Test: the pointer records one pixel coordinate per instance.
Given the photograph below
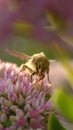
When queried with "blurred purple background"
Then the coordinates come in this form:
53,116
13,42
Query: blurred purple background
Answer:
37,24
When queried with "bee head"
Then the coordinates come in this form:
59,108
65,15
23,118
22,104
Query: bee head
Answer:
41,62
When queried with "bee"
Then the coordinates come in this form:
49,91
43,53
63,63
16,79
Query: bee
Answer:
37,64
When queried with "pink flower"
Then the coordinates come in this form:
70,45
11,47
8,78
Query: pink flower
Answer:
34,113
21,122
21,105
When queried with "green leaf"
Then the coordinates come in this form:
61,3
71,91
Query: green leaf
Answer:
64,102
54,123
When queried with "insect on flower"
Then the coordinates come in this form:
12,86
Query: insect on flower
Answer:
37,64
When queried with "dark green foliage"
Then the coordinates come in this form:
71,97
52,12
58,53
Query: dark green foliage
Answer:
54,124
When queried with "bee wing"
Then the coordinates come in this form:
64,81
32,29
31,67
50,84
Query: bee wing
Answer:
18,54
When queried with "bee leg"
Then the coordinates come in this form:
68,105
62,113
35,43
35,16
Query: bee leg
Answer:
33,73
22,67
36,83
41,77
48,76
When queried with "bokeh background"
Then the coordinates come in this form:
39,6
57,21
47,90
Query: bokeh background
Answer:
35,26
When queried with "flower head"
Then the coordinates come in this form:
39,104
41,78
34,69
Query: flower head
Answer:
22,105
